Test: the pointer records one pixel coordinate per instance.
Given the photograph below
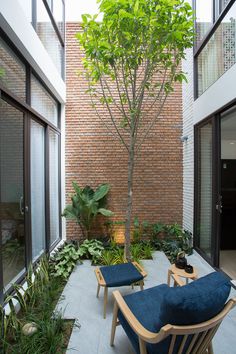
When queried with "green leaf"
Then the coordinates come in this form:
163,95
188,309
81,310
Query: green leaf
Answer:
105,212
136,6
101,191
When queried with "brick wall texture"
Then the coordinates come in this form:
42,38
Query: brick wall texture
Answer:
94,156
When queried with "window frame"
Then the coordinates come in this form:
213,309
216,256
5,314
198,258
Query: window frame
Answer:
198,49
61,37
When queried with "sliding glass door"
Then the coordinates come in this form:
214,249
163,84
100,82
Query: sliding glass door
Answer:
203,221
12,200
37,178
30,210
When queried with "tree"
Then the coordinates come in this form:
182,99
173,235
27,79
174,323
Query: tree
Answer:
132,62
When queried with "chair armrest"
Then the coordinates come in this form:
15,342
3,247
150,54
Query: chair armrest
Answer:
134,323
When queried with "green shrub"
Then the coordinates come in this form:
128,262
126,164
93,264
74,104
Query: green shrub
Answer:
91,249
107,257
177,240
147,250
136,251
65,260
37,305
85,205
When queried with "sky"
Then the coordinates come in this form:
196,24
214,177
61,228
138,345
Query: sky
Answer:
74,8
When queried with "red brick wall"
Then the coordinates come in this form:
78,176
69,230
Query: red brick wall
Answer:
93,156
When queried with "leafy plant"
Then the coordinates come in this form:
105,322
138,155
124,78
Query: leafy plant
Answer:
107,257
47,339
119,255
177,240
91,249
38,303
136,251
147,251
137,234
157,229
86,204
10,324
132,61
65,260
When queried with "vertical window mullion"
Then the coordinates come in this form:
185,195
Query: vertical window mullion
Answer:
1,264
27,189
47,189
34,14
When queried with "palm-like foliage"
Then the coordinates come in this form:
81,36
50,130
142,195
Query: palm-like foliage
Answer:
86,204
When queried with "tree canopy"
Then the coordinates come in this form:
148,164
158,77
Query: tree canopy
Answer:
132,61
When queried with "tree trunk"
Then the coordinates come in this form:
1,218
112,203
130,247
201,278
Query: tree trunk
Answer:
84,231
129,202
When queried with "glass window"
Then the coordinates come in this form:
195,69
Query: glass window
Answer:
58,13
223,4
43,102
49,4
204,18
54,186
37,164
12,231
204,216
27,8
219,53
12,71
48,36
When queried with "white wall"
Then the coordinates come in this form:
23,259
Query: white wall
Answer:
216,96
188,156
16,25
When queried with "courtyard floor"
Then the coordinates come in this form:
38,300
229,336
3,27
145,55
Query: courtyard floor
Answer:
92,336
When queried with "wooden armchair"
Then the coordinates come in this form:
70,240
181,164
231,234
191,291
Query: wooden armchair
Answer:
185,334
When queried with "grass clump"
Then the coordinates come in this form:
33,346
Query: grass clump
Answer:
37,307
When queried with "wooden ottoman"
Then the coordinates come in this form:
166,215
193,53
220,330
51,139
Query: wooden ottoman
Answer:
119,275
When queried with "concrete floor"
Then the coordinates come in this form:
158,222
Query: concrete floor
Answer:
228,262
79,302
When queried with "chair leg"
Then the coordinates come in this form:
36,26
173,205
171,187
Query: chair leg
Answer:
141,285
114,323
105,301
142,346
210,349
98,289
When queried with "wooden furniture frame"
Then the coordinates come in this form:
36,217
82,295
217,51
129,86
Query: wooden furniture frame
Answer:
202,333
173,270
102,283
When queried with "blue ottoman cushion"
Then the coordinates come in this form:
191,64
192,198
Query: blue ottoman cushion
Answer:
190,304
120,274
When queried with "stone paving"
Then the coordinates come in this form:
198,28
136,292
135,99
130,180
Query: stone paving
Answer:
79,302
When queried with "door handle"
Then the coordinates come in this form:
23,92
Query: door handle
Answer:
219,205
22,205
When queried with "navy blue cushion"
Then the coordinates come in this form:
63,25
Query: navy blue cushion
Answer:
145,305
196,302
120,274
193,303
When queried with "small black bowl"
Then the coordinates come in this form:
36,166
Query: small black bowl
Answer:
188,269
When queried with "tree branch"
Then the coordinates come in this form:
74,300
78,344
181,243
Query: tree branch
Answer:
110,112
99,115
